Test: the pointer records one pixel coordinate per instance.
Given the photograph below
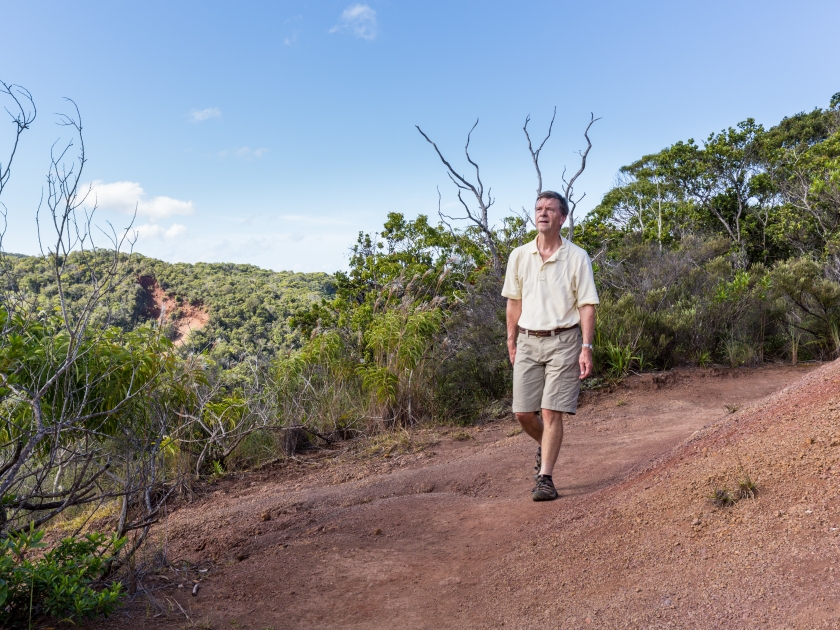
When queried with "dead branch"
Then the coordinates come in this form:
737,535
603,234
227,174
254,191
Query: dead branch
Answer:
479,217
569,190
535,155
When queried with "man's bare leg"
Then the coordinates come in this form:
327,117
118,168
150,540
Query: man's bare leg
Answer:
551,439
531,424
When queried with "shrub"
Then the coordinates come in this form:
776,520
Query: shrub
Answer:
60,584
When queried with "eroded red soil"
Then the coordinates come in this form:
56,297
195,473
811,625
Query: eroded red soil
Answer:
448,537
161,305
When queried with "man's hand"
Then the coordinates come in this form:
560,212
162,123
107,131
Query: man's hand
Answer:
587,330
585,362
512,350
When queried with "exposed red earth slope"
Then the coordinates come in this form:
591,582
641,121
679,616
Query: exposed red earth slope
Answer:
190,316
447,537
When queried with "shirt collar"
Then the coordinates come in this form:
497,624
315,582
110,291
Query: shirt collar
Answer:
560,254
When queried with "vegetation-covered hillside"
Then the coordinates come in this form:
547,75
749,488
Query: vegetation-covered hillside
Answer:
248,307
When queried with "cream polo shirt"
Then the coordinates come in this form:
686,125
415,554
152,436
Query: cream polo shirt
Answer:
551,291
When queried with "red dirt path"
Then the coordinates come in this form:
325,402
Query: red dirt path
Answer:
448,537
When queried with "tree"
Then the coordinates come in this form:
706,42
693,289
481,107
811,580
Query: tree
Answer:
77,421
479,216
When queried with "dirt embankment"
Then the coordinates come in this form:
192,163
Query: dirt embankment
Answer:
444,534
184,316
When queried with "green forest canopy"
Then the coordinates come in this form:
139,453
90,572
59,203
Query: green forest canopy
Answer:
248,307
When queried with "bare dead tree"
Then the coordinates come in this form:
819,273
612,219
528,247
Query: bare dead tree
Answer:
535,155
478,217
569,186
61,445
22,111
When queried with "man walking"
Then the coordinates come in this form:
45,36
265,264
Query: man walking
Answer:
551,296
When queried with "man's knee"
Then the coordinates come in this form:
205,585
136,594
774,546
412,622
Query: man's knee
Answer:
549,416
527,417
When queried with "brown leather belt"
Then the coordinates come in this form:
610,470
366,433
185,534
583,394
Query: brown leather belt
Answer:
544,333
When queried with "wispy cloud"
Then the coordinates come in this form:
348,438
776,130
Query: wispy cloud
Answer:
127,197
246,153
155,231
295,21
360,20
243,153
200,115
314,220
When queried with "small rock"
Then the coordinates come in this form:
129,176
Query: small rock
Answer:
377,532
696,521
266,516
242,555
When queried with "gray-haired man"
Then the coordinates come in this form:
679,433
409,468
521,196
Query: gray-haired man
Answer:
550,324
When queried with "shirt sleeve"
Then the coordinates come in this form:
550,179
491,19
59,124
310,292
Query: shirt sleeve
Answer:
513,287
586,291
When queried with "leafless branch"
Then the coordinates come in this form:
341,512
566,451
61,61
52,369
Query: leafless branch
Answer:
535,155
569,190
478,217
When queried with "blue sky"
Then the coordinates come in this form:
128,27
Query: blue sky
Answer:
271,133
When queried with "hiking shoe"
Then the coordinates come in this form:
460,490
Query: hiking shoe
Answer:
544,490
538,465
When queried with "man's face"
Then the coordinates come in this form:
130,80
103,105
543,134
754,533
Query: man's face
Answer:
548,216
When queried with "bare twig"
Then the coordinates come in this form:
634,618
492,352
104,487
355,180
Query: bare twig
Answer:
569,190
479,217
535,155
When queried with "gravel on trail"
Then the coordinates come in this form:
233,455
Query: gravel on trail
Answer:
439,530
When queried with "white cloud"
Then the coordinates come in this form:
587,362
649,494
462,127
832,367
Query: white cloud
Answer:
155,231
288,41
199,115
246,153
128,196
359,19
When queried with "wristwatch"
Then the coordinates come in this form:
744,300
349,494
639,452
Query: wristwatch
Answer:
588,345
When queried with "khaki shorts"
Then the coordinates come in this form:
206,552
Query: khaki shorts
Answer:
546,373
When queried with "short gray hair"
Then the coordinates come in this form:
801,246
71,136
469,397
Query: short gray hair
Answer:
550,194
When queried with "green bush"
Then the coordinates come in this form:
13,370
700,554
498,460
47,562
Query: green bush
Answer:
60,584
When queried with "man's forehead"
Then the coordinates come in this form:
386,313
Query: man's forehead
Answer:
548,201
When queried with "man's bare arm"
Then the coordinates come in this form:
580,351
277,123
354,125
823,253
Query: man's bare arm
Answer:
587,331
514,312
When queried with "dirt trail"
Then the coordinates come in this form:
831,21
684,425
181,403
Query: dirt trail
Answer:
431,539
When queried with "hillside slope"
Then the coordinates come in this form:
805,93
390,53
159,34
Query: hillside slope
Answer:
228,309
445,534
